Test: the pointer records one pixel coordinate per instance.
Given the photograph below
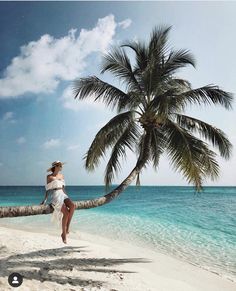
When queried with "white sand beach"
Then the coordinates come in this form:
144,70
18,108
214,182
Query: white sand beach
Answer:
89,262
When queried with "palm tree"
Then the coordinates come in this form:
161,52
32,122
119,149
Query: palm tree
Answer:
150,118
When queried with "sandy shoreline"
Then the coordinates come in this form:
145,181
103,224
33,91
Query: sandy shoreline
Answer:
90,262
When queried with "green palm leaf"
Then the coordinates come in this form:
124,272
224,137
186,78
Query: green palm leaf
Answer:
177,59
143,148
93,87
106,137
158,74
209,132
118,63
158,146
141,54
206,95
190,155
127,140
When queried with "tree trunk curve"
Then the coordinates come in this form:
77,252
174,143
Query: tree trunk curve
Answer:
15,211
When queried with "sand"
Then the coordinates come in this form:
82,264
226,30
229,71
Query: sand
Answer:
89,262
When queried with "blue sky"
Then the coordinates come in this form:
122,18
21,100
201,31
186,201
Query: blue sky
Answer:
46,45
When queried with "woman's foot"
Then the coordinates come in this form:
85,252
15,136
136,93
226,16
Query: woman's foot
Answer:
63,238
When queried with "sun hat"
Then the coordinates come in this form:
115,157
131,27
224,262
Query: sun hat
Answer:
55,164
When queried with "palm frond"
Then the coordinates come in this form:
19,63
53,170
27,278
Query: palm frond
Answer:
143,149
207,95
177,59
157,50
216,136
164,101
118,63
190,155
130,103
141,54
93,87
106,137
126,140
159,71
141,57
158,145
180,85
158,42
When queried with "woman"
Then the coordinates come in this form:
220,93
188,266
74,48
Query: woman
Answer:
63,206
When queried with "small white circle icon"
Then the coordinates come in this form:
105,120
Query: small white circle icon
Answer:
15,279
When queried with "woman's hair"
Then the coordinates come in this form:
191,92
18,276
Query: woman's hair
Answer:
53,169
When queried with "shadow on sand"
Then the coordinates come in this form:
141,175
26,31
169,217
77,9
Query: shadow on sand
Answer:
39,265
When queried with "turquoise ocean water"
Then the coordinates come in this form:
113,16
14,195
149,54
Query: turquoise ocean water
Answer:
198,228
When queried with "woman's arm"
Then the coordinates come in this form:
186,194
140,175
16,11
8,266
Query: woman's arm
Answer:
45,198
48,180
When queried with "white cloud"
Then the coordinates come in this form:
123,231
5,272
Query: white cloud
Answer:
43,63
51,143
72,147
125,23
21,140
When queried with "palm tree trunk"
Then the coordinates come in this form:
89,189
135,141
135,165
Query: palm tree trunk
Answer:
14,211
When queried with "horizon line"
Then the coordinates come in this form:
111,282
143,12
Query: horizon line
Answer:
119,184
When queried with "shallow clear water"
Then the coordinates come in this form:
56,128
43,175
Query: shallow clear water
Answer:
199,228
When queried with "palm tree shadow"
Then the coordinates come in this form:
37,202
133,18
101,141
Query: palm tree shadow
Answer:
54,265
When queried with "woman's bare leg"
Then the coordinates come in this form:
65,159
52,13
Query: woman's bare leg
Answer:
71,212
71,207
64,222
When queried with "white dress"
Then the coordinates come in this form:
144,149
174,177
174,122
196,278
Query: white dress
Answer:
58,197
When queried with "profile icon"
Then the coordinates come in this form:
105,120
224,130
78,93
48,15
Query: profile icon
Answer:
15,279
